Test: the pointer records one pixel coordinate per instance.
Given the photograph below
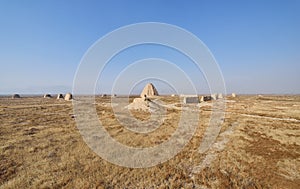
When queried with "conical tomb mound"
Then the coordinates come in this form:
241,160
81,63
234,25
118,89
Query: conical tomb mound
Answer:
149,91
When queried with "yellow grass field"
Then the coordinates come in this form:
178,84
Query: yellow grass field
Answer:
258,147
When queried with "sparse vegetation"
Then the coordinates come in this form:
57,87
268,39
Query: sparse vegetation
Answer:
42,148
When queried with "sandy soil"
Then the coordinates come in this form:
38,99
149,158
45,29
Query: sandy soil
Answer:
258,146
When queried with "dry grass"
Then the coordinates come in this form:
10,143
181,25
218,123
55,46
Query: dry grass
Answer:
42,148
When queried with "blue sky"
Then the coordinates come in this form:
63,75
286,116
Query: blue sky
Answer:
256,43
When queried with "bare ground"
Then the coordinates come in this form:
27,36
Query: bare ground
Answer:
258,147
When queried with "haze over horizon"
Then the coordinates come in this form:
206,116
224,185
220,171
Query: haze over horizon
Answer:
256,43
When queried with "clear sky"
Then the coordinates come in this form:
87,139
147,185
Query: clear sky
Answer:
256,42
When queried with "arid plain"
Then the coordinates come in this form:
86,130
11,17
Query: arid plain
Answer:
258,146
